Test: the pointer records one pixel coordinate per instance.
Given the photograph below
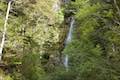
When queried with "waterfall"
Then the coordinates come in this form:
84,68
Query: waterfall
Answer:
56,8
68,40
69,36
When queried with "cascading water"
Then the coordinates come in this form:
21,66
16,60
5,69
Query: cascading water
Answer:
68,40
69,36
56,8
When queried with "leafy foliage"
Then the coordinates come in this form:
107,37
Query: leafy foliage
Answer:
94,48
36,34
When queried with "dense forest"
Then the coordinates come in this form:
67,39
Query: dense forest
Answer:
59,39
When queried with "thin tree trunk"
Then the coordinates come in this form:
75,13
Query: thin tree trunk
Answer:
5,29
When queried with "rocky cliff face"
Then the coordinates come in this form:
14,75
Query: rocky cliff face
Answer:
34,26
37,20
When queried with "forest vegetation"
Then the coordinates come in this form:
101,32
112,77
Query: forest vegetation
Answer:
60,40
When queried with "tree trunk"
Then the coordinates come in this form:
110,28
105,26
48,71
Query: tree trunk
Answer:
5,29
